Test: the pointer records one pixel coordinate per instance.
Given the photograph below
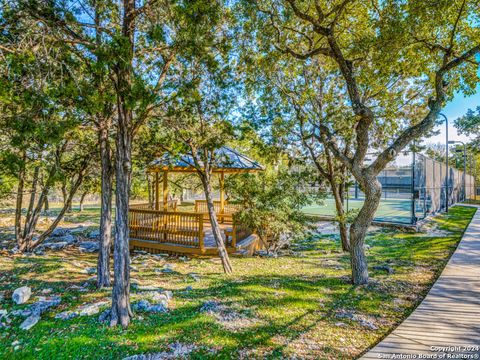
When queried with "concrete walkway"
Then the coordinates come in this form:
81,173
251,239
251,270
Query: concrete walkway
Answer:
450,314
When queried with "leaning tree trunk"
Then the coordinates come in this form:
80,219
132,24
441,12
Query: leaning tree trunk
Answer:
65,195
359,227
29,227
222,251
75,185
103,264
82,199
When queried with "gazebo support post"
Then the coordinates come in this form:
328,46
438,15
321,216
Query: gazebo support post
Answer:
222,194
157,192
165,202
165,191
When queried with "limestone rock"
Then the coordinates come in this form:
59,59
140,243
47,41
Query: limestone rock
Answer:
21,295
66,315
55,245
94,234
30,322
59,232
146,306
89,246
43,305
91,309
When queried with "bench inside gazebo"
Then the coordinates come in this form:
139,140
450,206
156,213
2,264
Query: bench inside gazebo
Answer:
160,227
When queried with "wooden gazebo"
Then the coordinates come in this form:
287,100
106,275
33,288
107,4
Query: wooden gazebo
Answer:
160,227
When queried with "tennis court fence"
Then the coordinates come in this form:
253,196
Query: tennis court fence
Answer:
414,186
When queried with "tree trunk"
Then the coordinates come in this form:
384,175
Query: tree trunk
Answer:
82,199
103,264
76,184
64,191
337,191
31,203
19,203
359,227
29,227
121,311
121,288
46,206
222,251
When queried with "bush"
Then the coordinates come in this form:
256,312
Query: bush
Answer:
271,205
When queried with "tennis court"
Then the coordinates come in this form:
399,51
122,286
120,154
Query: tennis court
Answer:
411,179
389,210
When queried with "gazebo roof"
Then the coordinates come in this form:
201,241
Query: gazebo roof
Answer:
226,160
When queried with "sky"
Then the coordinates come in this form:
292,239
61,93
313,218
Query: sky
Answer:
453,110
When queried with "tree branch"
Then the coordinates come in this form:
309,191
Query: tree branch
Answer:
415,131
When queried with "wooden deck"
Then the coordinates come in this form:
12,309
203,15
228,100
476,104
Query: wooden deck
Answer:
181,232
448,316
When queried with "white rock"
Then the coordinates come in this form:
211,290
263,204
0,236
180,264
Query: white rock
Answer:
21,295
168,294
29,322
55,246
77,230
89,246
89,271
59,232
91,309
66,315
69,239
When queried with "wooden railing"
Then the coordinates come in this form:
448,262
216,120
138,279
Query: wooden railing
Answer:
180,228
223,216
172,206
238,233
201,206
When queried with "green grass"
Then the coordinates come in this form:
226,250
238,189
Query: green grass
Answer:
291,302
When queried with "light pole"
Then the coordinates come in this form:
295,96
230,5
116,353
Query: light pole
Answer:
446,161
464,193
474,178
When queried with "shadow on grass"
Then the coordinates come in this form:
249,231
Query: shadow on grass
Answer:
284,307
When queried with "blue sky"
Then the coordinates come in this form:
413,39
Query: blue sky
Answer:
455,109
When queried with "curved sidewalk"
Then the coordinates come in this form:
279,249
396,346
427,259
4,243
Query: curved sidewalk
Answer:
449,316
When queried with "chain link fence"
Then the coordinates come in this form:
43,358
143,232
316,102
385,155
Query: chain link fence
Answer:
414,186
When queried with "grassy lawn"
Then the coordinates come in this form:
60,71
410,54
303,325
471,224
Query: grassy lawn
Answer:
298,305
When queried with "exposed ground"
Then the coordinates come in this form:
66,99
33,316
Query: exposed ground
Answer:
298,305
